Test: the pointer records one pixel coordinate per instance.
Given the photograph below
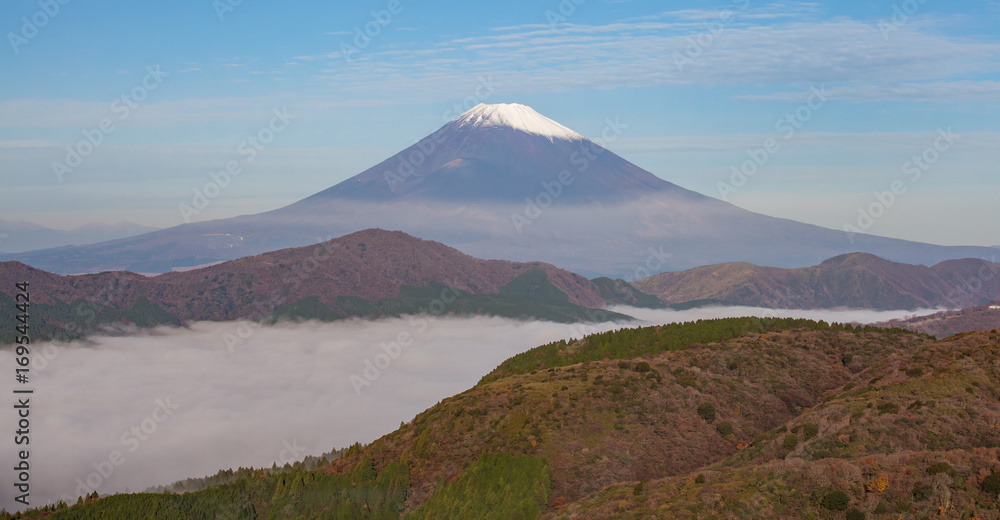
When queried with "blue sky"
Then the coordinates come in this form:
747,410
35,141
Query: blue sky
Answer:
696,83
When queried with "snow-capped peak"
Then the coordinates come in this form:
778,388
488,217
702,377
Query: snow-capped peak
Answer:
516,116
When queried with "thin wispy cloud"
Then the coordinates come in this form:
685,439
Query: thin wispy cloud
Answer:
635,54
930,92
843,142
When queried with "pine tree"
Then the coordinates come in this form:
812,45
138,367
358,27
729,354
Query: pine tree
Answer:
279,490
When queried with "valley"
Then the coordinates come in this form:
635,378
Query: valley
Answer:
653,420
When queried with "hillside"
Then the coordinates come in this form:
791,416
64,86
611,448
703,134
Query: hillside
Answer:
720,418
949,323
370,273
857,280
635,404
914,436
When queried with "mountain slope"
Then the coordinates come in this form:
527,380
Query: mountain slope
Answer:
502,181
368,273
854,280
501,154
949,323
17,237
914,436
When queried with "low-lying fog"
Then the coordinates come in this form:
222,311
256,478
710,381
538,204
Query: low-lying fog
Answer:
123,413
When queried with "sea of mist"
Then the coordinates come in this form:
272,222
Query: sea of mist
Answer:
185,402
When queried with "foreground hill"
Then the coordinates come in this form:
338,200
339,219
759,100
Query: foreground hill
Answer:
857,280
914,436
948,323
741,418
370,273
634,404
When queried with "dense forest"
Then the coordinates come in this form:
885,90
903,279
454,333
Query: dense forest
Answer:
500,486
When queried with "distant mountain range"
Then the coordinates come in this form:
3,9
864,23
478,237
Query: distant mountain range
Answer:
779,419
858,280
375,273
503,181
370,273
17,237
949,323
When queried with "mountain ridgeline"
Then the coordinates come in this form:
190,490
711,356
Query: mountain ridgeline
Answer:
948,323
370,274
376,273
744,417
18,237
857,281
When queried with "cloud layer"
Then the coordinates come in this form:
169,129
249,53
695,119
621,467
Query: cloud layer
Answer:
177,403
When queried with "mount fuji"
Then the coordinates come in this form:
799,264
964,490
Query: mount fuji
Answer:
501,154
503,181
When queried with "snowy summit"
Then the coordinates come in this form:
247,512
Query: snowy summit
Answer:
516,116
